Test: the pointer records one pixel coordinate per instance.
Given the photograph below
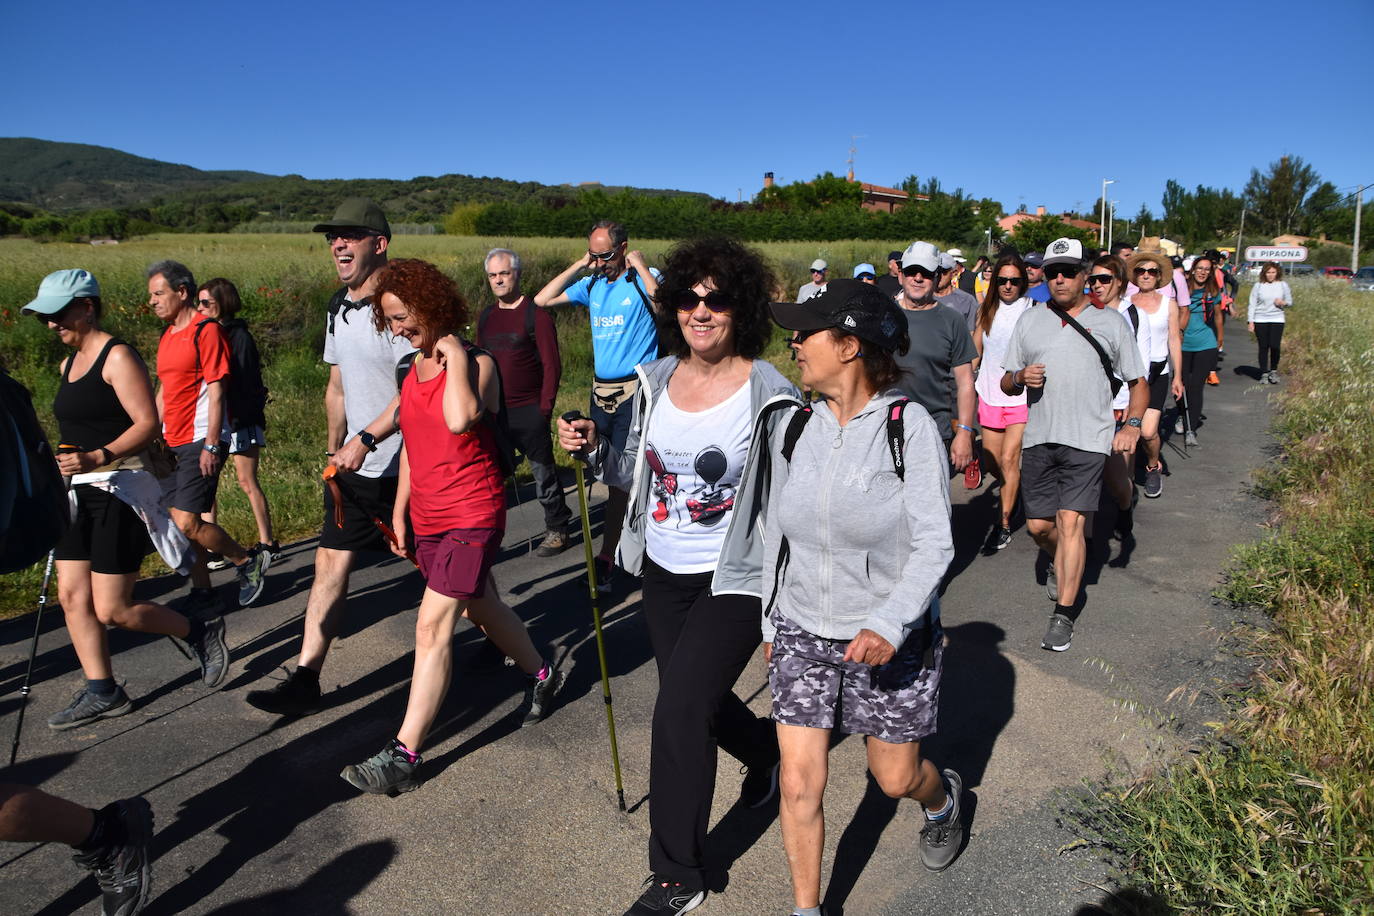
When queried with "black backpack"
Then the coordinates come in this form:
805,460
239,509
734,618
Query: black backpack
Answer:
34,511
498,423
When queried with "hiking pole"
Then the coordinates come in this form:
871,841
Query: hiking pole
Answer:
569,417
37,629
339,490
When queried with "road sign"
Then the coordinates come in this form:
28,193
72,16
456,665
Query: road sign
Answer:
1294,253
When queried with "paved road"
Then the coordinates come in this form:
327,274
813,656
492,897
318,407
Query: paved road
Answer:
253,819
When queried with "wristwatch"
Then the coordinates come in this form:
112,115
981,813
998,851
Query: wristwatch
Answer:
215,450
1133,421
368,440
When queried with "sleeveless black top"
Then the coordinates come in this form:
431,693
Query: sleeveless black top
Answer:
89,415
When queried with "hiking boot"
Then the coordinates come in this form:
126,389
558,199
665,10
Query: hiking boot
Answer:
1213,378
973,474
216,562
940,840
298,695
252,575
212,652
540,695
124,872
665,898
387,772
1154,481
1190,440
554,543
605,575
1058,634
760,785
1001,539
87,707
1051,583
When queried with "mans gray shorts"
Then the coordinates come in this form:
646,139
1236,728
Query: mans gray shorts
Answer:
1055,477
191,491
813,687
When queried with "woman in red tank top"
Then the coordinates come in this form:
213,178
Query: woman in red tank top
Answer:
451,504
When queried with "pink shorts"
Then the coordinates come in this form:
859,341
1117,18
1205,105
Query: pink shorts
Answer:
457,563
994,417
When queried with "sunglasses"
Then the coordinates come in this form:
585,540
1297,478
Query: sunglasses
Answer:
799,336
1055,271
921,272
1104,279
348,235
687,300
1152,271
1009,281
205,303
602,256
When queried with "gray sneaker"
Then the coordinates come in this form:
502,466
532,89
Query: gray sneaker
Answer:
212,652
87,707
1154,482
940,840
1190,440
554,543
540,695
124,872
251,576
1058,634
387,772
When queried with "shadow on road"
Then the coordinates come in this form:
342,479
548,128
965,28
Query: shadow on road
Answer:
328,890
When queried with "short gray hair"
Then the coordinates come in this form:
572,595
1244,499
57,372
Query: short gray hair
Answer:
175,273
496,252
619,235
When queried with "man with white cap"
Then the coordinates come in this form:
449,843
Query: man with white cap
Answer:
818,269
864,273
951,295
1067,353
940,358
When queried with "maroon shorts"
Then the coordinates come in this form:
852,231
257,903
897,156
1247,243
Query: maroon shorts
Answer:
456,563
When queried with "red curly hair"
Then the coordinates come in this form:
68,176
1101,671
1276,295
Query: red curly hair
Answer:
431,298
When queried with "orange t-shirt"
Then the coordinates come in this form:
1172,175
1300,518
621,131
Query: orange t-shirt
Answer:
185,397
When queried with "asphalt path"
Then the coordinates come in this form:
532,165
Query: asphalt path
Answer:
252,817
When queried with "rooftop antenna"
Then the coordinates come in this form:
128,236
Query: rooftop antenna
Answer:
853,148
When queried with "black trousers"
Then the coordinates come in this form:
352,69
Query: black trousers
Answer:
701,643
530,430
1197,365
1270,337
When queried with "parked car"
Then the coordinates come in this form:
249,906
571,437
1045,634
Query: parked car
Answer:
1306,271
1338,273
1363,279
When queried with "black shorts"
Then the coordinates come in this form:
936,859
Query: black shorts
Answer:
192,491
106,531
365,498
1159,385
1055,477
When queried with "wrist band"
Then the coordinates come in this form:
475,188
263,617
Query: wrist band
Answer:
108,455
963,427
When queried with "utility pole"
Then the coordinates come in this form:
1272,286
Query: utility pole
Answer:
1111,221
1102,210
1355,249
1240,252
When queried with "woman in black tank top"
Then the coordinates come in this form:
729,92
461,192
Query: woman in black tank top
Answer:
106,417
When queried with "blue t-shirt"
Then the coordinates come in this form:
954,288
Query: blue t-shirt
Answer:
1197,335
623,330
1040,292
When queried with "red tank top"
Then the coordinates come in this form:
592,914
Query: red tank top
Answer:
455,480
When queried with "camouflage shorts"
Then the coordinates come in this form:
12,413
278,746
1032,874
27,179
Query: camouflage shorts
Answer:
813,686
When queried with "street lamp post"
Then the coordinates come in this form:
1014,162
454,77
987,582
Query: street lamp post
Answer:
1111,220
1102,210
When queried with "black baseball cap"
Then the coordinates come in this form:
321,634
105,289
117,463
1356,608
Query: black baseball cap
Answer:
357,213
894,256
1034,259
851,306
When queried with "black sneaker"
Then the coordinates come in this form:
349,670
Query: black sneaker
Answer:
252,576
1058,634
273,550
605,575
1154,482
661,897
387,772
124,872
298,695
1001,539
88,707
212,652
539,694
940,840
554,543
760,785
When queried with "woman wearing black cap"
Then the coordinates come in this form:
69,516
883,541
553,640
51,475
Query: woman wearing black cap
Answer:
857,538
701,422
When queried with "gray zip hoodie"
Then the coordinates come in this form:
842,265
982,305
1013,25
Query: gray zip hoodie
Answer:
866,550
739,569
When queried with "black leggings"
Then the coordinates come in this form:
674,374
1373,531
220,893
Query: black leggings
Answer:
1197,364
1270,337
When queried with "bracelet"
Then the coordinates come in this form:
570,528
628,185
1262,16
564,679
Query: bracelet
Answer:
108,455
963,427
329,454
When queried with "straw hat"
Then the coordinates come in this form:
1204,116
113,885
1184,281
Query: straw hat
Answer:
1166,270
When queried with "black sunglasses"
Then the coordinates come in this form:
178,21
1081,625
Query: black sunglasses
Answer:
1152,271
1055,271
1101,278
602,256
687,300
799,336
914,271
1010,281
348,235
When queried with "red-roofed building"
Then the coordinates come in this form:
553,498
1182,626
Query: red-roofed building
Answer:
888,200
1010,222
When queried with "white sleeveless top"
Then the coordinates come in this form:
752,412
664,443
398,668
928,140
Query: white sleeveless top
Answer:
1159,331
988,384
1142,342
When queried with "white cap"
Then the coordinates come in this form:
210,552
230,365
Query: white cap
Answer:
947,261
921,254
819,264
1064,251
956,254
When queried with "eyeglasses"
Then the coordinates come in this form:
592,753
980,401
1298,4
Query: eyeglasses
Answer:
1009,281
687,300
1152,271
348,235
1101,279
602,256
1055,271
914,271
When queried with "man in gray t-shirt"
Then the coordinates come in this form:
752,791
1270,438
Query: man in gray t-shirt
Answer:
1070,429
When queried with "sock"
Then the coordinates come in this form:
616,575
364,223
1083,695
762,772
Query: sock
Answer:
1064,609
101,687
806,911
405,751
107,831
1125,520
308,675
946,810
542,674
197,633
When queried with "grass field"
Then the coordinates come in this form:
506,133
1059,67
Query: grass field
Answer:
285,281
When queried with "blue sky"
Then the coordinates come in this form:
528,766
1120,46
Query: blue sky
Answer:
1032,102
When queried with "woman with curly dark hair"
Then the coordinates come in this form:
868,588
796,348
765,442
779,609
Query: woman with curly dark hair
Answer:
450,505
702,420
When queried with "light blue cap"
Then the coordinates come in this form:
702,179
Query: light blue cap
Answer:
59,288
865,268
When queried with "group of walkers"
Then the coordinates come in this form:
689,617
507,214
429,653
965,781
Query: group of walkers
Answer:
817,525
